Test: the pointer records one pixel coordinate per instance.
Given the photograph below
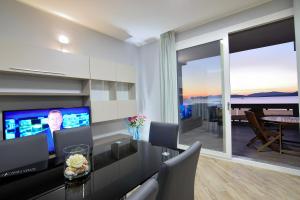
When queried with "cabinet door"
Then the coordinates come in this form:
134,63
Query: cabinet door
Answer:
126,108
125,73
102,70
35,60
104,111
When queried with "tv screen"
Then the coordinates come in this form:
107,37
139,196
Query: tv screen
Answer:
185,111
22,123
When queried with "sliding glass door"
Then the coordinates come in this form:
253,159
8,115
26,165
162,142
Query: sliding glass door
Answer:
201,95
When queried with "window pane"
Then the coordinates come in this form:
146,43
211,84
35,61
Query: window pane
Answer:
200,95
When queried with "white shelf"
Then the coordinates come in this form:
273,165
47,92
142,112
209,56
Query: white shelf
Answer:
40,94
103,90
125,91
28,85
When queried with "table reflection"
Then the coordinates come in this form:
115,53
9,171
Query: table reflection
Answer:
78,189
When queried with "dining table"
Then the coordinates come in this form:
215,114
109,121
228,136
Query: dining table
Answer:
284,121
116,169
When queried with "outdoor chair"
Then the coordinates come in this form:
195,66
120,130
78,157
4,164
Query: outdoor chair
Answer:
267,138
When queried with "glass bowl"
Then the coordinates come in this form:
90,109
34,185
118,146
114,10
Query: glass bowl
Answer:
77,161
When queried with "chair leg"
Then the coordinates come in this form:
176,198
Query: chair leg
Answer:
268,143
252,141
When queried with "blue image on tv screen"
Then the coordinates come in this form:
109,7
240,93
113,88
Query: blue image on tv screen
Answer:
185,111
24,123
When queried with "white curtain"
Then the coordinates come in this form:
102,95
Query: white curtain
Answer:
168,78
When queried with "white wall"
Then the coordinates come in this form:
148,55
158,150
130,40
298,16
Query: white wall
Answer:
253,13
22,24
149,84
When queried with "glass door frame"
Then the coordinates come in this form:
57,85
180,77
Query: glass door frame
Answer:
224,53
222,34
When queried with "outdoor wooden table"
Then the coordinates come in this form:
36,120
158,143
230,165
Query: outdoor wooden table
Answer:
283,121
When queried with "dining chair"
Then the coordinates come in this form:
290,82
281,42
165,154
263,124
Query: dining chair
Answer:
212,116
163,134
147,191
215,119
25,151
176,176
69,137
266,137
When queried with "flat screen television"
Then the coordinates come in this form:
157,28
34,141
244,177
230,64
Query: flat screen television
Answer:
22,123
185,111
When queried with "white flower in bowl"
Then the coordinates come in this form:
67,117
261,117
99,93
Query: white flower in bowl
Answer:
76,161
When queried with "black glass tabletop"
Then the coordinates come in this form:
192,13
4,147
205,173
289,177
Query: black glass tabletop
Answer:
116,169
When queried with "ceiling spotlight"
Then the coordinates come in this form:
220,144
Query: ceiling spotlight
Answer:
63,39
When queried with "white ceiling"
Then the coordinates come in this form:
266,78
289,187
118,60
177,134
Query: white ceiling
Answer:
139,21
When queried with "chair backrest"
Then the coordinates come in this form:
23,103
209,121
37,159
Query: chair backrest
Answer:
176,176
69,137
163,134
22,152
259,113
255,125
147,191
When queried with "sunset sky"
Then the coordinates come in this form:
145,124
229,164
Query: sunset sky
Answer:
202,77
265,69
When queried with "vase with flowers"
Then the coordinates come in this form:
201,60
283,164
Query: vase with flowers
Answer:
135,124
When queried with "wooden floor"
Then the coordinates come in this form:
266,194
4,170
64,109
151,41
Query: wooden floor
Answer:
219,179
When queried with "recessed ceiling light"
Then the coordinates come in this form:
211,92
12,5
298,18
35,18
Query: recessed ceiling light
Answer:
63,39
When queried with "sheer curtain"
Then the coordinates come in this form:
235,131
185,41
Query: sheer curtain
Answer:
168,78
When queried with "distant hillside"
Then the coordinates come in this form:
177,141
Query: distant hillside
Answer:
268,94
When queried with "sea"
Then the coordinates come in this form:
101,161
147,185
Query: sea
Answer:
265,100
245,100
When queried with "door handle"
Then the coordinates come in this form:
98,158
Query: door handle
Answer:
229,106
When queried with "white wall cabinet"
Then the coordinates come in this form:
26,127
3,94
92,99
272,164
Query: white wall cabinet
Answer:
104,111
112,100
112,93
125,73
126,108
34,60
103,70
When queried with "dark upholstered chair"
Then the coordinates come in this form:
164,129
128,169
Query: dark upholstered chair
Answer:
176,176
21,152
148,191
69,137
163,134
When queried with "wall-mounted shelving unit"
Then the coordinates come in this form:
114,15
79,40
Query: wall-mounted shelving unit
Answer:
103,90
29,85
107,87
125,91
112,100
113,96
